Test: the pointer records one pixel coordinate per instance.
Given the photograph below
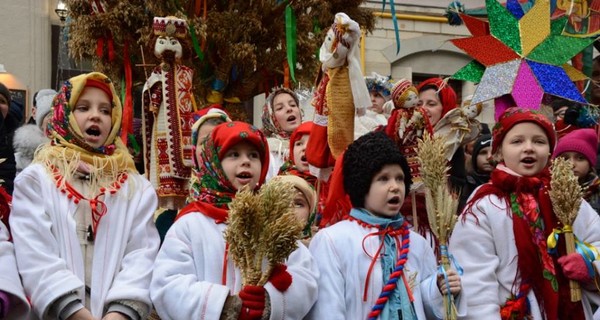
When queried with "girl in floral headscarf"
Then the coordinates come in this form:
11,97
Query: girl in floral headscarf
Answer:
194,262
83,212
281,116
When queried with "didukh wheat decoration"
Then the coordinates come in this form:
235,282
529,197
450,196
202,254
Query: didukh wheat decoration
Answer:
262,231
566,195
441,203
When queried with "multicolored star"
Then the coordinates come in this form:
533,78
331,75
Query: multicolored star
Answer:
520,56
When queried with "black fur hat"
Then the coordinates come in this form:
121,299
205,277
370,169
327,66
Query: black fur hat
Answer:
364,158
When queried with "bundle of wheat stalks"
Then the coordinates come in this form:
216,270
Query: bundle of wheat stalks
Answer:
262,228
566,195
441,203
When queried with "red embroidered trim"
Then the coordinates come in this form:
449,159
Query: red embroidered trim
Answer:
98,206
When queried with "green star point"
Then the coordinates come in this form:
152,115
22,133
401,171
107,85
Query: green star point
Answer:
503,25
547,52
472,72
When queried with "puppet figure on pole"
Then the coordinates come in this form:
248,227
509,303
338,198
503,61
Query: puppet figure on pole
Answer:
341,90
168,107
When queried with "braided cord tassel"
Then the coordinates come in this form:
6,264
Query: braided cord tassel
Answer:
398,273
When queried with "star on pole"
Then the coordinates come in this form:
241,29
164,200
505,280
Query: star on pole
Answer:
520,56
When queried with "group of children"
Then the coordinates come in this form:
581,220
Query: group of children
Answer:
86,247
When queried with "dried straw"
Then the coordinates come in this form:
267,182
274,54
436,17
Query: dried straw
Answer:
441,203
566,195
241,233
262,228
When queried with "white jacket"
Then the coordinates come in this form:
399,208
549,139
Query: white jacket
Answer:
10,282
48,251
187,277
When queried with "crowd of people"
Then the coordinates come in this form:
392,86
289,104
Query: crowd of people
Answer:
82,236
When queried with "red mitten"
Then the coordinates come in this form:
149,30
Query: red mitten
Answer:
280,278
253,302
574,267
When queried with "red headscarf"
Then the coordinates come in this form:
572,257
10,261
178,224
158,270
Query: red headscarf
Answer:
445,93
289,167
216,191
303,129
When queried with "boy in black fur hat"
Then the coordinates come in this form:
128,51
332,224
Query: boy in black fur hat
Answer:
370,264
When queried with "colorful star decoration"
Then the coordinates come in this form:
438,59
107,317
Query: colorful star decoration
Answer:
520,56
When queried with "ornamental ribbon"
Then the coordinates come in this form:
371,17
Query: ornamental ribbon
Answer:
291,40
395,21
195,43
587,251
553,237
450,307
453,262
197,7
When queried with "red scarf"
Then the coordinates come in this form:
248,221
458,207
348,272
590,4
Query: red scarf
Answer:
220,215
529,196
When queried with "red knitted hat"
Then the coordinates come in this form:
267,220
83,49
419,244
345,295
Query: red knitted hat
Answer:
584,141
445,92
515,115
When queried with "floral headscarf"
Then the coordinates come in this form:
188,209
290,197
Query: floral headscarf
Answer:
63,126
215,191
201,117
270,124
68,147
